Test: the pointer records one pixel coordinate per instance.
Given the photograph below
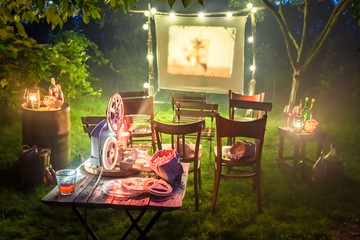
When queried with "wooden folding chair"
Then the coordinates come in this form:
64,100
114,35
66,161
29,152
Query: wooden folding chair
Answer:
177,135
90,122
139,112
186,97
249,165
249,112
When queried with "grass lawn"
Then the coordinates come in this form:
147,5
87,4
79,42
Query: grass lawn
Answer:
294,207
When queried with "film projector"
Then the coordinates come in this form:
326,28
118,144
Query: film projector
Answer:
106,137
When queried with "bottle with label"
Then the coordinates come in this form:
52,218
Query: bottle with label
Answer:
306,112
53,90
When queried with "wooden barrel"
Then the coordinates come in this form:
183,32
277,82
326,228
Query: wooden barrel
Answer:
48,129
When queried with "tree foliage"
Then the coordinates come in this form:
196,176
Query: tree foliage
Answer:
302,48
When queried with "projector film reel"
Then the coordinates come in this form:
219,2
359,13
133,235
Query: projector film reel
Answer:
110,153
115,112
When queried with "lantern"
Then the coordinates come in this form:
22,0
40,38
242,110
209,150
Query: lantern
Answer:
32,96
298,124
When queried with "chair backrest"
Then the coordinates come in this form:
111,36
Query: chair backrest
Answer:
177,134
227,128
240,101
187,97
90,122
187,111
134,94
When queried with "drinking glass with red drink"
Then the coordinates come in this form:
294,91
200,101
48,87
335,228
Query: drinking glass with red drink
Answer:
66,179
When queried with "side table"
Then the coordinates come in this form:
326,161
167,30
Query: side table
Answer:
299,141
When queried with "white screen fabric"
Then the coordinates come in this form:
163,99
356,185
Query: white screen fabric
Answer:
200,54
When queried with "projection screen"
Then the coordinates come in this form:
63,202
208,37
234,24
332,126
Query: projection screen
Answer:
200,54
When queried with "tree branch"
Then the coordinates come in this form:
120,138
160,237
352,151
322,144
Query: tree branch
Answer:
305,33
333,19
283,27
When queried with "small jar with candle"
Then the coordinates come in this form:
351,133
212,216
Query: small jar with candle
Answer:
298,124
33,97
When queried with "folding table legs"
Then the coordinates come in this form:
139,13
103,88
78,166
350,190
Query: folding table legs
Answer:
134,224
137,219
84,223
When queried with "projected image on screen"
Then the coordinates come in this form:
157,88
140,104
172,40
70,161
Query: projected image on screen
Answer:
201,51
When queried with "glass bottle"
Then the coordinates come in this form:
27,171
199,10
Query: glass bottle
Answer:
61,94
306,112
312,112
331,156
319,169
53,90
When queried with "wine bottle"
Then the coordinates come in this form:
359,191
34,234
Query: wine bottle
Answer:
53,90
306,112
312,111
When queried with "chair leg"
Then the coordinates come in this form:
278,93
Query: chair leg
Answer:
196,185
216,186
258,194
199,177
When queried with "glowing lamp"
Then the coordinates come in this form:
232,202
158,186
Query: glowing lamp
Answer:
201,15
149,57
252,68
254,10
146,85
251,39
145,26
172,14
32,96
229,14
146,13
250,5
298,124
153,10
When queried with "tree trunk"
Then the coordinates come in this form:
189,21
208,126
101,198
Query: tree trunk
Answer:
294,88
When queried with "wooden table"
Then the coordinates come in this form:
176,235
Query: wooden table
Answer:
85,181
299,141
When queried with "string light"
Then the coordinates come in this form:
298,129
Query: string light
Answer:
146,85
146,13
250,5
252,68
251,39
149,57
254,10
229,14
153,10
201,15
172,14
145,26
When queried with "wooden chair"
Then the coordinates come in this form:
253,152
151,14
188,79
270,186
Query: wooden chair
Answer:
187,112
249,113
249,166
174,132
139,112
186,97
90,122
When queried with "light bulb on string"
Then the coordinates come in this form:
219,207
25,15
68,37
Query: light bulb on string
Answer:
252,68
201,15
250,5
146,13
145,26
254,10
150,57
172,14
153,10
251,39
146,85
229,14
